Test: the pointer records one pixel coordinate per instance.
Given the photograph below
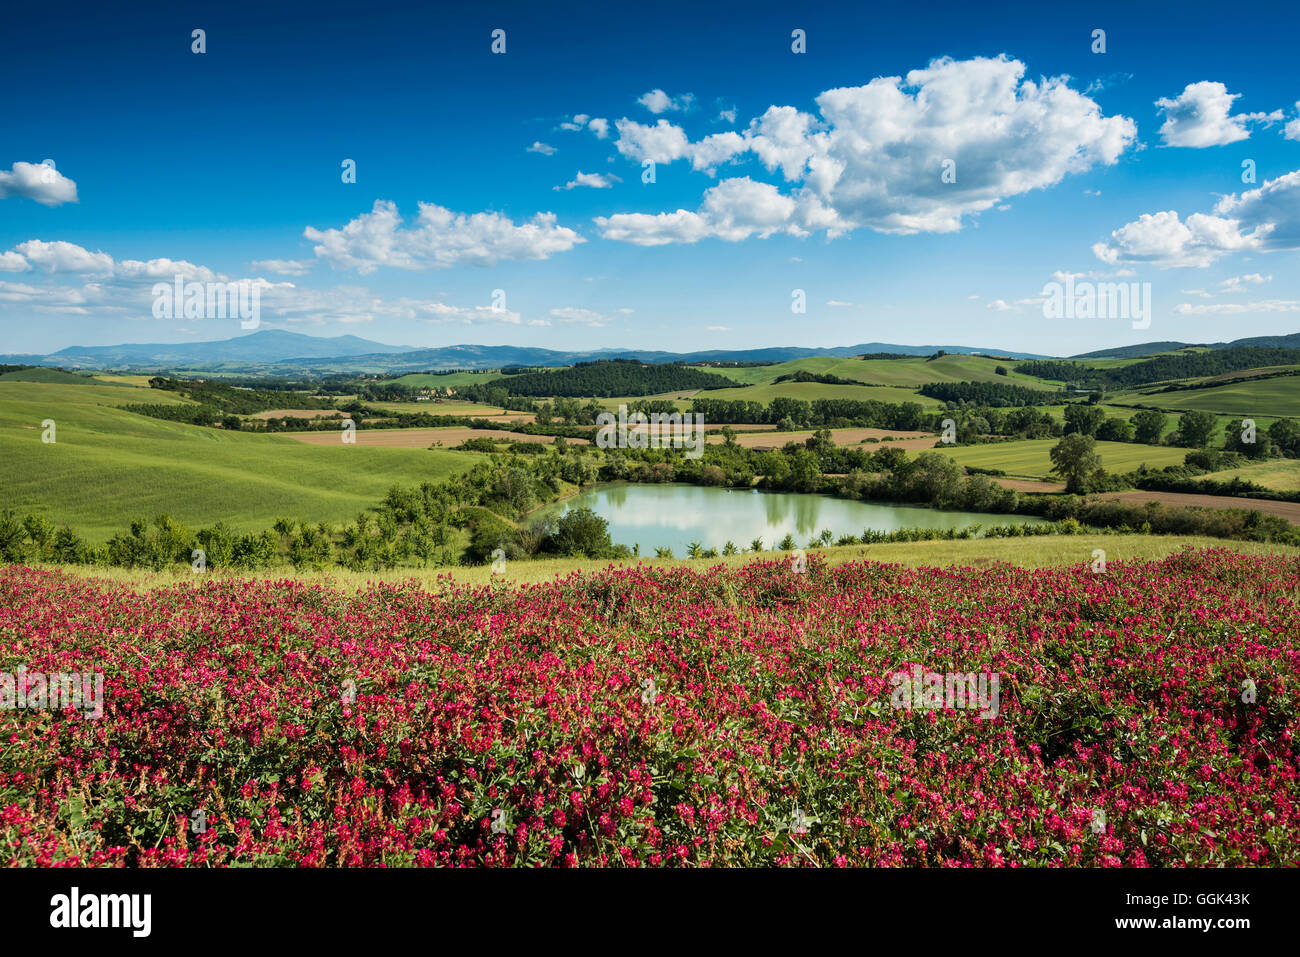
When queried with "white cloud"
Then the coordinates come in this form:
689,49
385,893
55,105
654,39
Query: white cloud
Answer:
1236,308
60,256
1266,219
838,303
718,329
999,305
1239,283
124,289
13,262
540,147
657,101
65,257
1292,130
283,267
1200,117
438,238
38,182
733,210
661,143
593,180
600,127
727,116
875,156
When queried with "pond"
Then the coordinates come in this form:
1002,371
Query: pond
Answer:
673,516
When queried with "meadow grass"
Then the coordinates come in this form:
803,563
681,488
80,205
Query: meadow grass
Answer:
1030,457
1046,551
1280,474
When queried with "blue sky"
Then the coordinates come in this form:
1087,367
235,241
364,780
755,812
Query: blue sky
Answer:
774,171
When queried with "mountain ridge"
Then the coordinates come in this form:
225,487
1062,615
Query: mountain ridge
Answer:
275,351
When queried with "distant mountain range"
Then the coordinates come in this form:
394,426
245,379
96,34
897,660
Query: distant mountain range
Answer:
1148,348
278,352
288,352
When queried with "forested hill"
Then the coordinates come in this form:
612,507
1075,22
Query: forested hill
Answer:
610,377
1159,368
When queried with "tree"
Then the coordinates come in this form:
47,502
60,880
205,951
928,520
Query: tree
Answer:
1083,419
1195,428
580,530
1115,430
1149,426
1252,441
1075,458
1286,434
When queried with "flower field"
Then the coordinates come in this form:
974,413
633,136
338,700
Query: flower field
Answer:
1148,716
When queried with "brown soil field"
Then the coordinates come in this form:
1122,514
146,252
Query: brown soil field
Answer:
297,413
1029,485
422,438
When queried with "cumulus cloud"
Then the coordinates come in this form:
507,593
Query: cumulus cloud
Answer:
1292,130
69,258
13,262
876,154
540,147
438,238
38,182
599,126
61,256
1200,116
657,101
733,210
1266,219
592,180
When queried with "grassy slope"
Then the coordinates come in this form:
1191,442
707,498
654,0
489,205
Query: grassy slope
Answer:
1280,474
1052,550
109,466
453,380
1030,456
1252,398
810,391
910,372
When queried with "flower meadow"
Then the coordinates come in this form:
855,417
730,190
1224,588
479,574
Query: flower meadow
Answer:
650,717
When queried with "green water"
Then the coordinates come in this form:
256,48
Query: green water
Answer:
673,516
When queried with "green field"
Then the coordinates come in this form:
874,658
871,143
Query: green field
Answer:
811,391
108,466
1030,458
53,376
1280,474
1251,397
452,380
909,373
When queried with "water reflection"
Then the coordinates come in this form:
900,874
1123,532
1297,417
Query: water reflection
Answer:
673,516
